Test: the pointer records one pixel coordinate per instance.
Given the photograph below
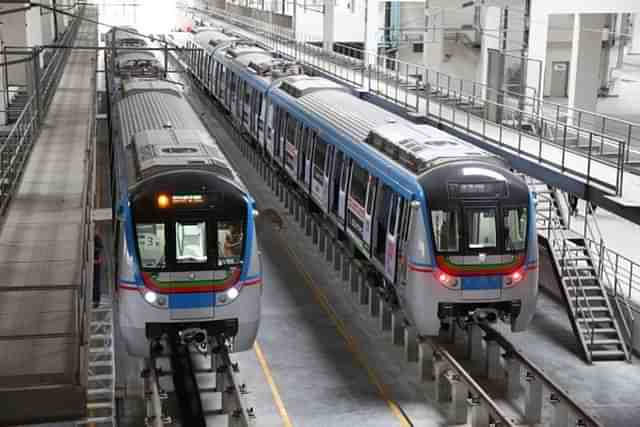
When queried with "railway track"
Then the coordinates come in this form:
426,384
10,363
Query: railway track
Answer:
479,377
195,384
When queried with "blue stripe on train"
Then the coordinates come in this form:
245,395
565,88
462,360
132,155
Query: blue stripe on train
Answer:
195,300
481,282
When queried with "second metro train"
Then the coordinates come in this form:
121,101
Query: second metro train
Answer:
448,227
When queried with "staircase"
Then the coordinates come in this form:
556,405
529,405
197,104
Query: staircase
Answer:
16,106
586,299
101,408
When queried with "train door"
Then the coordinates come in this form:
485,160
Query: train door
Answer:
391,252
334,182
356,202
278,142
302,154
252,113
272,119
319,185
308,160
291,150
262,107
380,229
220,82
192,256
342,195
246,108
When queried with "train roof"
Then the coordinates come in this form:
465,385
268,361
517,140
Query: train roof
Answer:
213,37
137,55
303,85
416,147
148,110
125,35
243,47
162,132
135,86
162,150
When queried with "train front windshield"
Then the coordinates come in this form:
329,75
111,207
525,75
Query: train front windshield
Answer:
183,232
471,229
190,243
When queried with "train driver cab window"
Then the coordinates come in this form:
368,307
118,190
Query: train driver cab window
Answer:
515,228
152,245
319,159
482,228
191,242
446,230
230,242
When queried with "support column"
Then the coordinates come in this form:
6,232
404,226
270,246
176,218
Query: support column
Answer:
490,40
328,25
433,49
635,35
371,26
586,48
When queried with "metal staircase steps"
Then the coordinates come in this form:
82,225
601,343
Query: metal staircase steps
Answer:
101,408
587,302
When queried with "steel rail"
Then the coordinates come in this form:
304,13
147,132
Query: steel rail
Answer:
585,419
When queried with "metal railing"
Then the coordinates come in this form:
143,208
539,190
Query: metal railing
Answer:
577,142
14,154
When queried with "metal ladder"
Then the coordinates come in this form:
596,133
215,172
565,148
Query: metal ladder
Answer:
586,299
101,366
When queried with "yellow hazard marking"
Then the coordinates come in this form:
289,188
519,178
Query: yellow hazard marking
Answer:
286,421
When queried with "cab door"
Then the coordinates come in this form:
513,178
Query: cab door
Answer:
391,251
192,262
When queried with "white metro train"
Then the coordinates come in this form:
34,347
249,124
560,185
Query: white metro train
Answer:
449,229
187,255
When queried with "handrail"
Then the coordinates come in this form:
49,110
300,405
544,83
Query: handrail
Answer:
592,130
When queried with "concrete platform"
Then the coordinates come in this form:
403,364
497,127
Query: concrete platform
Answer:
40,263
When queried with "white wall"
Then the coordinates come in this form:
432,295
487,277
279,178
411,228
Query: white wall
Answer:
349,25
542,9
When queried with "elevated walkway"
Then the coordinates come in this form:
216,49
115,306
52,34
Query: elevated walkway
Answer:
580,152
46,250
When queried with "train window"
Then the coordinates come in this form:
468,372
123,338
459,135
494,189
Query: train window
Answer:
247,94
191,242
359,179
446,230
230,241
515,228
345,172
481,228
372,191
393,214
291,129
319,159
151,245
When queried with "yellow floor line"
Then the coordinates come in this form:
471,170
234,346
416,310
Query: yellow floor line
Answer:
286,421
352,345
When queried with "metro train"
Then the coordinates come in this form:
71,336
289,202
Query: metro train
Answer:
448,227
187,254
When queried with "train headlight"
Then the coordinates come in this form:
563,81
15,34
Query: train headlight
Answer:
163,201
514,278
446,280
232,294
150,297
